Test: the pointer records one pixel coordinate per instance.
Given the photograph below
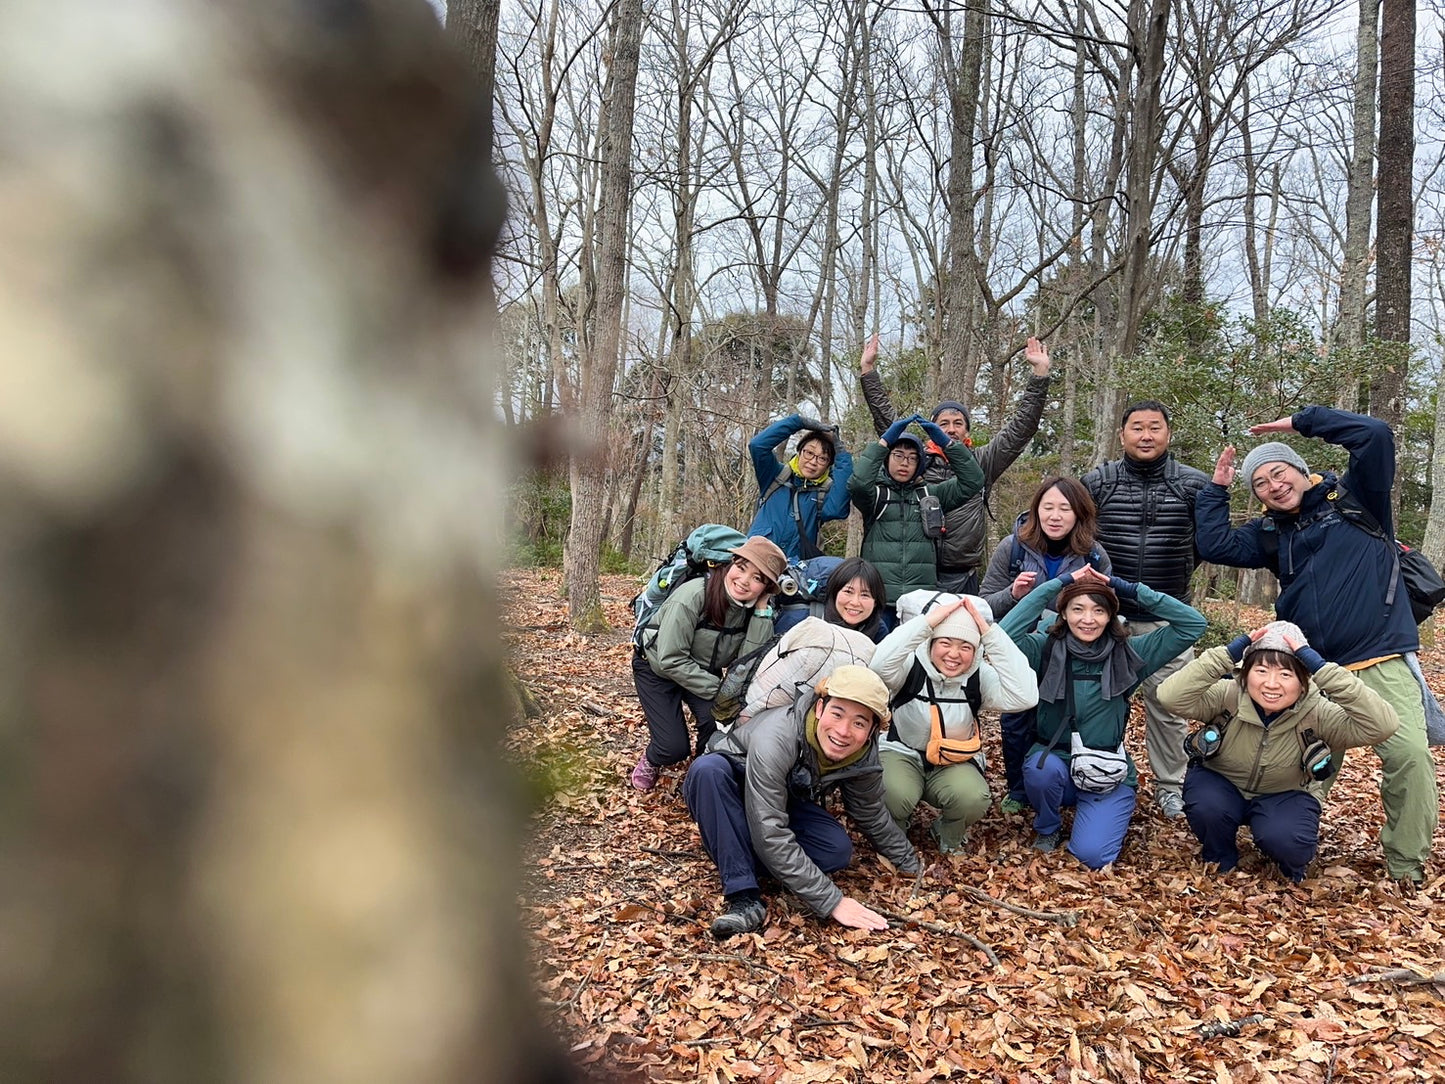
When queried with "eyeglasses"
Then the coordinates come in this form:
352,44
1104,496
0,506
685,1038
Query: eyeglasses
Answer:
811,456
904,453
1273,478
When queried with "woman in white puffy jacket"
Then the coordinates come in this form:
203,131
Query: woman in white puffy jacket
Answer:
942,664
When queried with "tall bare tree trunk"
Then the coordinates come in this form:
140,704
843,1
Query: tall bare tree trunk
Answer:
1395,232
963,68
1360,197
600,362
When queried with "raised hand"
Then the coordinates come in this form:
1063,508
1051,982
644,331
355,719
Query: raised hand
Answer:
1037,355
944,610
1279,425
1023,584
850,912
870,355
935,433
973,612
1224,466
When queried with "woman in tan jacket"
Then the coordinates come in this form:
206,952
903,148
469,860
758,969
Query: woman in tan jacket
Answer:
1272,733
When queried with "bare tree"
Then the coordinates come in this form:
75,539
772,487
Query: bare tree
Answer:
604,336
1395,231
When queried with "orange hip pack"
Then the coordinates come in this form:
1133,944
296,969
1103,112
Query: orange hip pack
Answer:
943,750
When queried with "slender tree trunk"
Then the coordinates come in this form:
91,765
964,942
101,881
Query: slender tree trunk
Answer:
963,72
1350,329
599,369
1396,212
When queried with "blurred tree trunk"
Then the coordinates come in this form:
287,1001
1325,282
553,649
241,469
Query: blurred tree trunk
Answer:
962,59
600,357
258,821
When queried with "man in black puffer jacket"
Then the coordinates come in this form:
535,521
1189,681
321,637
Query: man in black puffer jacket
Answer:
1145,503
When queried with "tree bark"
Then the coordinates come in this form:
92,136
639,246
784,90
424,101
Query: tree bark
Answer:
600,362
1395,231
1350,330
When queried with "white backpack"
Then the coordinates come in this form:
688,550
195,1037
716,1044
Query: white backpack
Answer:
804,655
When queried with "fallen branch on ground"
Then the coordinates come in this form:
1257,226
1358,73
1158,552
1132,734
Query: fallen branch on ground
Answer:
1063,918
947,931
1403,975
1230,1027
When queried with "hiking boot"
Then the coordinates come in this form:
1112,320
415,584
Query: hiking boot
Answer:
743,915
937,833
1410,884
1171,803
1012,805
646,774
1049,842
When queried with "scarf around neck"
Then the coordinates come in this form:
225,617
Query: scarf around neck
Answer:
1121,665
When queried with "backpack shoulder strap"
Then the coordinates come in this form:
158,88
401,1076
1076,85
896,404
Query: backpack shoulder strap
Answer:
1016,556
973,693
1349,508
784,475
911,687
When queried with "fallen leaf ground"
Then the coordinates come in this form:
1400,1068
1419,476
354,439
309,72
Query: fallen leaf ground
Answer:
1168,973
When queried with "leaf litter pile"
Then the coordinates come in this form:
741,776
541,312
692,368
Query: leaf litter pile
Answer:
1001,964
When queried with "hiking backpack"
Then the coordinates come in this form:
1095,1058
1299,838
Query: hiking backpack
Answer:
707,547
804,655
1423,585
811,578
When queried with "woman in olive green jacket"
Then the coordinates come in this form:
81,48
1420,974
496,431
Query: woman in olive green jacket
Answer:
698,631
1265,747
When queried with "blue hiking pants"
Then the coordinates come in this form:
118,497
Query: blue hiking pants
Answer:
1285,826
1100,820
1018,738
713,791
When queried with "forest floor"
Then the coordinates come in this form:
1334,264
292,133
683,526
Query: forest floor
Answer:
1154,969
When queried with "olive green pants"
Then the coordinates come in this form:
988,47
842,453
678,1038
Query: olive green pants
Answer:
1407,772
958,791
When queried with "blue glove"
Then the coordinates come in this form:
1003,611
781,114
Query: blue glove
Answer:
935,434
1124,588
1312,659
894,431
1237,646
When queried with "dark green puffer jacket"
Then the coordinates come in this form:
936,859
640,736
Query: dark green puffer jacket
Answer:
893,538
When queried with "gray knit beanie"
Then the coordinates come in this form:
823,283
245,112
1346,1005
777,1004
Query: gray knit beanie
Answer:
1274,637
1271,452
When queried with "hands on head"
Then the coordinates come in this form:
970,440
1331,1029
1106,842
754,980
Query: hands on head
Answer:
1090,574
973,612
942,612
850,912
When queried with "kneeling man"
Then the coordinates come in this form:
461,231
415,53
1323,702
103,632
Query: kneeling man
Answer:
757,795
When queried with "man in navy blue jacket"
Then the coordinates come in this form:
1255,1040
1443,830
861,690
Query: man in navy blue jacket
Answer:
1334,579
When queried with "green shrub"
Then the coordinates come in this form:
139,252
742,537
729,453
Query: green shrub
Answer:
614,563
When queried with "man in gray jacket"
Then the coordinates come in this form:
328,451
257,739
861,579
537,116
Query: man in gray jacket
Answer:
757,795
960,554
